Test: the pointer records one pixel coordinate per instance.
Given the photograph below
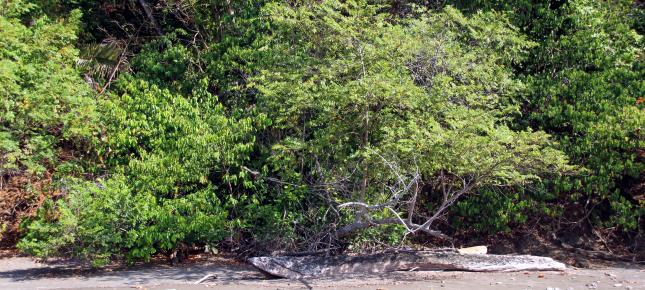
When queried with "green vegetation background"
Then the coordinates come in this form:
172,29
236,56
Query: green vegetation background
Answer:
243,124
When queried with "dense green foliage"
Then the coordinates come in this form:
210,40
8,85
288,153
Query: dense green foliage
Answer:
45,103
435,93
252,125
585,81
164,149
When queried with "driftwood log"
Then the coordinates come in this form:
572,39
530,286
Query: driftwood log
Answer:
293,267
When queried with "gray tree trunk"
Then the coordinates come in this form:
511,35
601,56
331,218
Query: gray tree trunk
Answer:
319,266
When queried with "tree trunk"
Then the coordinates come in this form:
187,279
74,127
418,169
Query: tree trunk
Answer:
320,266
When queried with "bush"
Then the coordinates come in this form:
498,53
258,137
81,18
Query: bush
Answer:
104,220
93,221
585,81
45,104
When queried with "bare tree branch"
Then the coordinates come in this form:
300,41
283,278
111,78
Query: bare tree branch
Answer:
151,18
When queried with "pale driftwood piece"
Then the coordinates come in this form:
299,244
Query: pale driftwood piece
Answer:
208,276
473,250
320,266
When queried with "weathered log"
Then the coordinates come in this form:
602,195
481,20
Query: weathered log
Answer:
320,266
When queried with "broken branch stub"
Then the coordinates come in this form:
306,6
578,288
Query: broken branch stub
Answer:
320,266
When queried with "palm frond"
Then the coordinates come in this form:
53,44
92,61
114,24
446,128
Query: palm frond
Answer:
101,60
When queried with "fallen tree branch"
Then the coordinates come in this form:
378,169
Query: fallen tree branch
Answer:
208,276
412,227
317,266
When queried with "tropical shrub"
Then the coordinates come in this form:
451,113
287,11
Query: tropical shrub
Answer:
345,88
46,106
169,153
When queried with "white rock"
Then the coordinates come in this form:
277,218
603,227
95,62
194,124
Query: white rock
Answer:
480,250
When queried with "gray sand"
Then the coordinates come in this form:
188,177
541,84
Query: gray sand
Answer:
24,273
